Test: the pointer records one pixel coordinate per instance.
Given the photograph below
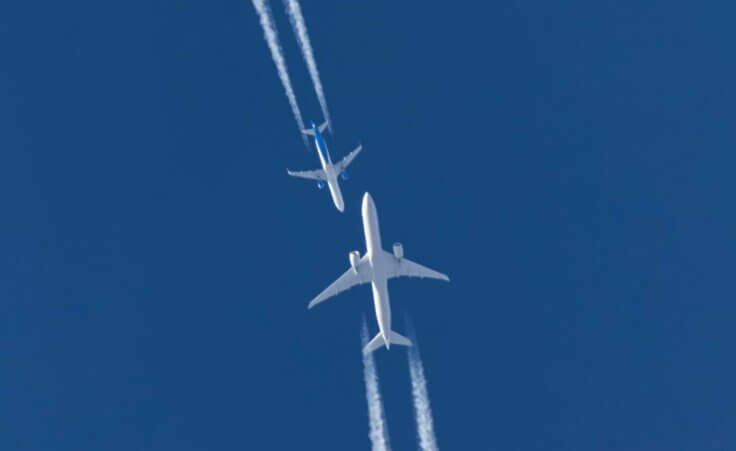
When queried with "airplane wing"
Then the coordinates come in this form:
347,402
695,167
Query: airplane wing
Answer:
346,281
406,268
345,162
317,174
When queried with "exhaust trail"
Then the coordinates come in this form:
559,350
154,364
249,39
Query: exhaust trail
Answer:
272,39
378,431
422,409
300,31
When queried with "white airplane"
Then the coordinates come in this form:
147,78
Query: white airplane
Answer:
329,171
376,267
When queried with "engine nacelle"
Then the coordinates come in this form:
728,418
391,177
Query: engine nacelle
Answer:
321,184
354,261
398,251
344,175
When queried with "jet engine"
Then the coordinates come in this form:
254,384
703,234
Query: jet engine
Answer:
398,251
344,175
321,184
355,261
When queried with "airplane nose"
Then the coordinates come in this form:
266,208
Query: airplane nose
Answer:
338,201
367,203
367,199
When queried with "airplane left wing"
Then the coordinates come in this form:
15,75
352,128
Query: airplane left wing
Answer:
317,174
404,267
351,277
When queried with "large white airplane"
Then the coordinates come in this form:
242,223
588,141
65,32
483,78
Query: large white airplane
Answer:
376,267
329,172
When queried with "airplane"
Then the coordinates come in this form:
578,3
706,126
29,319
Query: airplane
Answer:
329,172
376,267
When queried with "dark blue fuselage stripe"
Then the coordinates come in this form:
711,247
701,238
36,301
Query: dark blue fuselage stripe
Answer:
321,147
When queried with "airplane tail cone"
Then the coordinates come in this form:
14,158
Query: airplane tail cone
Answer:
378,341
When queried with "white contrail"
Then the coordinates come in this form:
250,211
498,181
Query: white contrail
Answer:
378,430
272,39
300,31
422,410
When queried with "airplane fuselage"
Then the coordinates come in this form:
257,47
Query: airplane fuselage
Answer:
374,253
377,266
330,171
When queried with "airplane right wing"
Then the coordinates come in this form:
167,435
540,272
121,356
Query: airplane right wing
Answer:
349,279
404,267
317,174
345,162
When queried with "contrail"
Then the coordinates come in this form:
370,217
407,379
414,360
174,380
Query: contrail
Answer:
272,39
300,31
378,429
422,410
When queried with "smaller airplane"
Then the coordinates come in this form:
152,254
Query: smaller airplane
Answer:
377,266
329,172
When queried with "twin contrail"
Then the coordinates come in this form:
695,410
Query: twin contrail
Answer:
300,31
422,409
378,430
272,39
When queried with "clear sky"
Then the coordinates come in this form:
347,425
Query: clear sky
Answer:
568,164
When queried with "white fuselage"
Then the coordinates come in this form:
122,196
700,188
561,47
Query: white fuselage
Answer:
330,171
374,253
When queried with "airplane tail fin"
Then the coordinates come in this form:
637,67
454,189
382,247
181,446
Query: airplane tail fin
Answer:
378,341
322,127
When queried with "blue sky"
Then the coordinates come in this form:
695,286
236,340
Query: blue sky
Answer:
570,166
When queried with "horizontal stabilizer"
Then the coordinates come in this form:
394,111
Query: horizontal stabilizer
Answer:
374,344
310,131
378,341
398,339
